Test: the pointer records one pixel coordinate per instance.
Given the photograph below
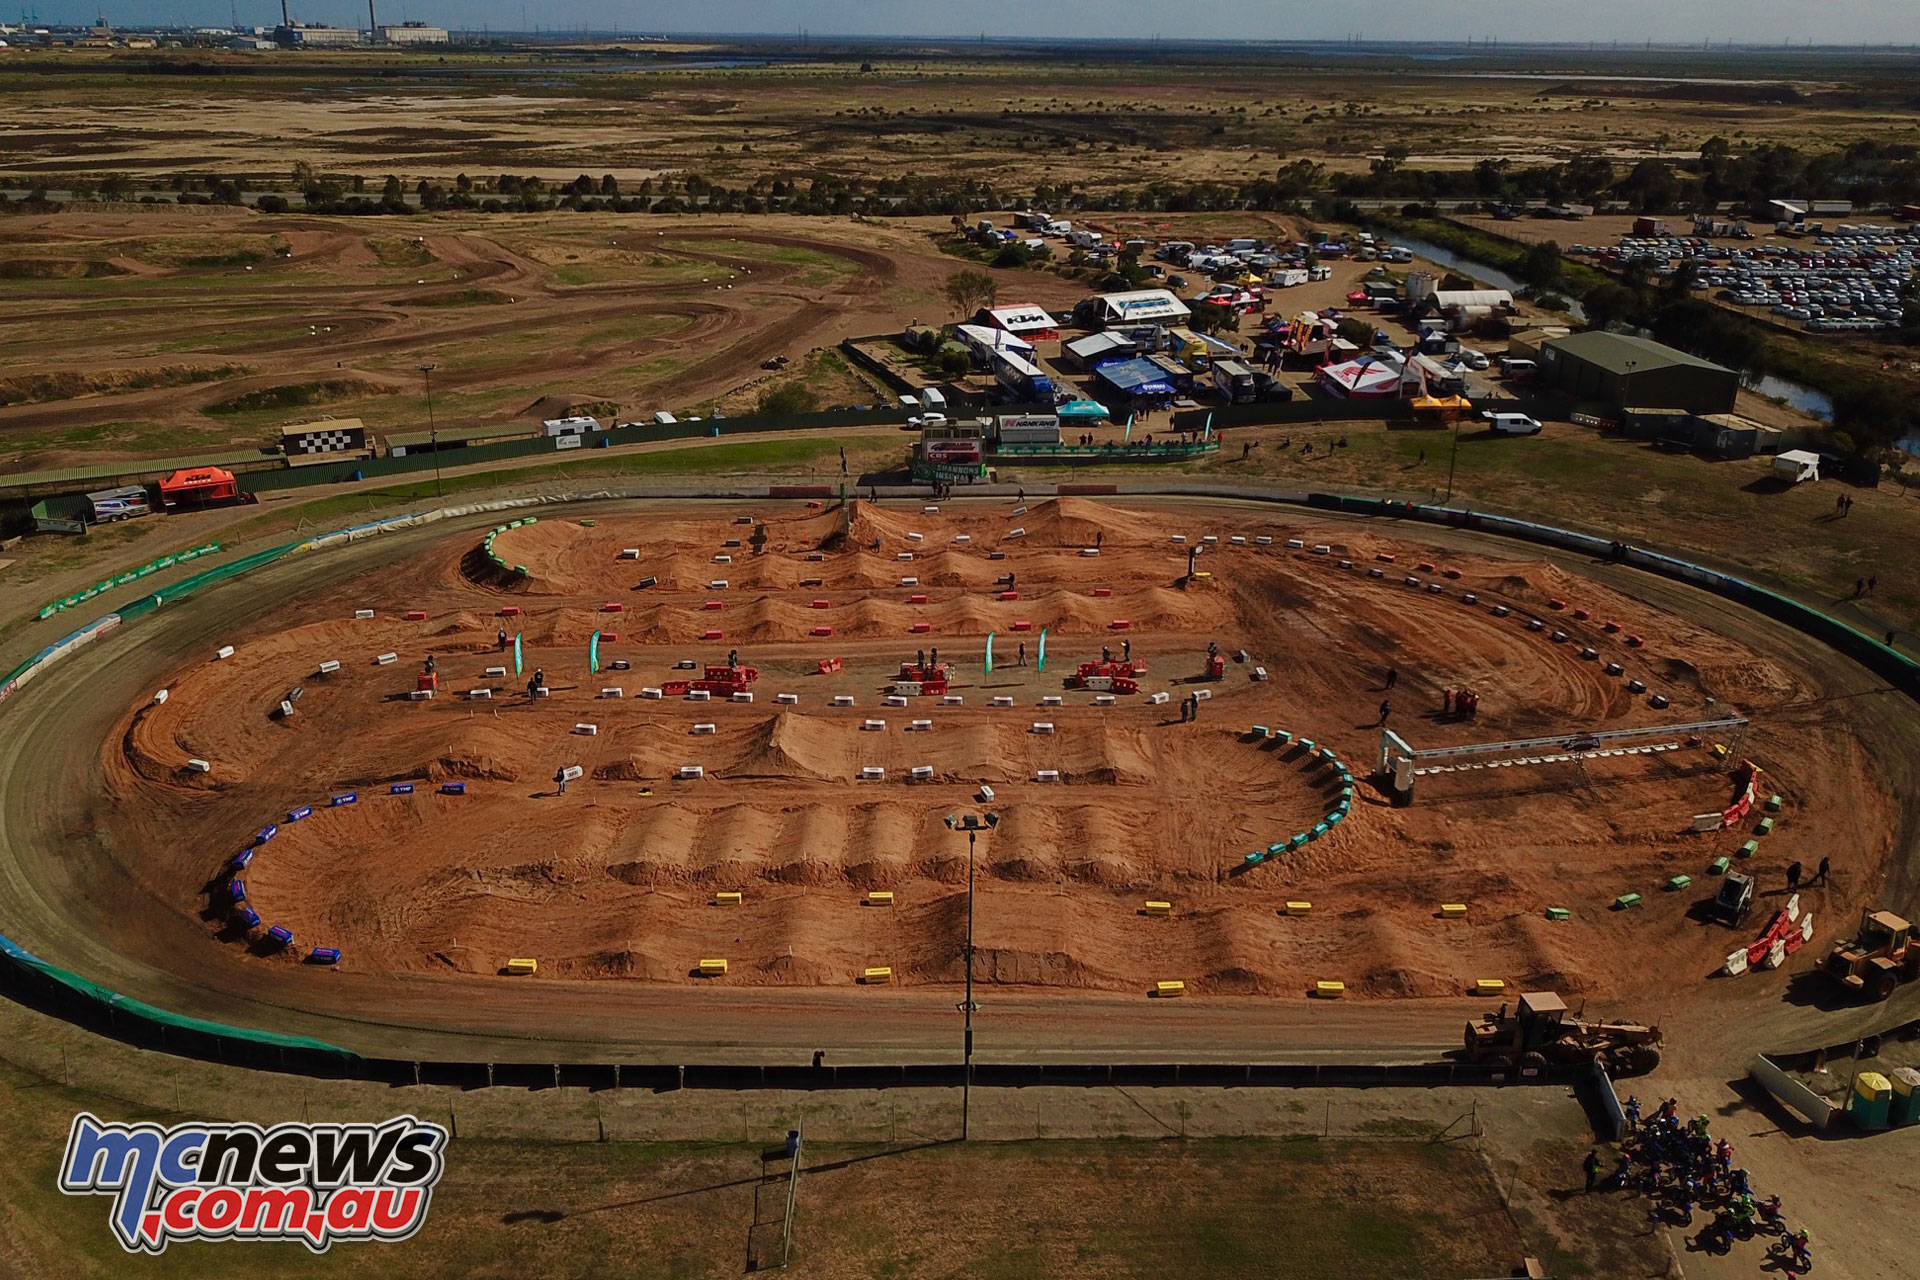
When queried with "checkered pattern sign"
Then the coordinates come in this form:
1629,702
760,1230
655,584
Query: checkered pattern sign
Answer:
330,441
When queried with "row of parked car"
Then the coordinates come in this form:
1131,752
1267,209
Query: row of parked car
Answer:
1852,280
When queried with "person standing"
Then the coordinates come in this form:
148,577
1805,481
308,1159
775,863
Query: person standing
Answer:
1023,653
1591,1167
560,778
1793,875
1393,677
1126,651
1820,874
1446,703
1386,709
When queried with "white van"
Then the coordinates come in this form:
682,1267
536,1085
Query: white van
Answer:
932,398
1517,369
1512,424
910,403
661,418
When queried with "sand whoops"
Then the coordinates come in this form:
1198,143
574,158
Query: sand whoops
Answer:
616,879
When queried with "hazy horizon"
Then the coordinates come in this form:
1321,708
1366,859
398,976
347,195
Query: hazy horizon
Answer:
1628,23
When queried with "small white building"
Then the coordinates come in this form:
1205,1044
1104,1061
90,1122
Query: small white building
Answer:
1795,465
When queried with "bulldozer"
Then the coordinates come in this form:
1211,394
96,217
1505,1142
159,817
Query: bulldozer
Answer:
1881,957
1540,1031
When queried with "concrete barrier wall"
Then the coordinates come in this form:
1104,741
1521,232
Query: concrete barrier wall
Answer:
1791,1093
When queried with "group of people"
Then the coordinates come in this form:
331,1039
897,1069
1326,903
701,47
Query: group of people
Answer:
1679,1166
1464,703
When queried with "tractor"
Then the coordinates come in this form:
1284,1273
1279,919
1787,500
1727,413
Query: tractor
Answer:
1733,902
1541,1032
1879,959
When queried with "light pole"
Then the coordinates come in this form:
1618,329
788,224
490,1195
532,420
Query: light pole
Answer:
1626,389
1454,455
972,824
433,433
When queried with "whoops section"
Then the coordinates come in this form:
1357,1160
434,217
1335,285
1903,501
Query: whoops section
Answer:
620,876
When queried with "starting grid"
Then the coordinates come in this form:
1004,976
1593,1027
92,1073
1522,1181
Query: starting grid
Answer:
1401,761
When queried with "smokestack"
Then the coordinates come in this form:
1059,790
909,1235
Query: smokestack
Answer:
373,25
286,19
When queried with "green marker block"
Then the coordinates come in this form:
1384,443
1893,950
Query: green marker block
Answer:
1559,913
1765,828
1750,848
1284,737
1774,804
1258,731
1679,882
1719,866
1627,900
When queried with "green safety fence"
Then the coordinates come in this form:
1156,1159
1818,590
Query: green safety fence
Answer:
131,575
136,1017
187,586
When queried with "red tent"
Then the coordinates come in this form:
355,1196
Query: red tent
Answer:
199,487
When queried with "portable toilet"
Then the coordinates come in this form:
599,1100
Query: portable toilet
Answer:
1871,1099
1905,1108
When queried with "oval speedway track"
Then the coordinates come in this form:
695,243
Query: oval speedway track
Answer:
64,896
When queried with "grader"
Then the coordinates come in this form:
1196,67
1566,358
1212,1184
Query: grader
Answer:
1540,1031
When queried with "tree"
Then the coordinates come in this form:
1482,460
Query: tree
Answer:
789,397
969,291
1540,265
1211,317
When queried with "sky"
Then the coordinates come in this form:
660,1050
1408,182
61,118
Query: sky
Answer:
1830,22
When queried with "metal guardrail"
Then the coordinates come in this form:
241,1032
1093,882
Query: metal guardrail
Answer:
1578,743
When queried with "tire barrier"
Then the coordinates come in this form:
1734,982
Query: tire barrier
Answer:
1314,758
131,575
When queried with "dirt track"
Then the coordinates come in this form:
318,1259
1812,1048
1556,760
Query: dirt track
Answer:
425,915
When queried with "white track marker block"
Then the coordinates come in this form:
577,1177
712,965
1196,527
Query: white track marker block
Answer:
842,699
1179,537
1322,549
224,651
699,695
1016,533
718,584
613,691
914,537
1203,694
1104,700
723,559
385,659
479,695
650,692
1376,573
587,730
1263,541
419,695
874,726
1470,598
1157,698
361,615
1237,540
330,666
904,555
199,766
1297,544
1053,700
1002,700
743,695
919,726
495,673
690,771
964,539
1047,775
628,553
701,729
1346,564
896,700
929,511
1042,726
1211,540
160,698
923,773
986,793
1019,511
909,582
1259,673
872,773
1435,588
787,699
543,692
1535,624
1500,611
951,700
286,708
1089,551
686,664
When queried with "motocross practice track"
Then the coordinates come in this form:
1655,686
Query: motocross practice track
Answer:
612,886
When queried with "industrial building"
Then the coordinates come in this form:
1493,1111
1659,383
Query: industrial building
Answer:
1625,372
410,33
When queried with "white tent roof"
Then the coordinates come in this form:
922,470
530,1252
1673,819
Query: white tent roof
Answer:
1024,318
986,339
1472,298
1142,304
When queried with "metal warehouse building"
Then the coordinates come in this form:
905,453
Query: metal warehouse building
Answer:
1638,373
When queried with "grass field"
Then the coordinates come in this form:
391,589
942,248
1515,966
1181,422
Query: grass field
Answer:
1300,1207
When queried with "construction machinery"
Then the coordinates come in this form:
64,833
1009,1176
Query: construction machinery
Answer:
1734,900
1880,958
1541,1031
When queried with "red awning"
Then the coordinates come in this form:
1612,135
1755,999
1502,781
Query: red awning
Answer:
196,479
